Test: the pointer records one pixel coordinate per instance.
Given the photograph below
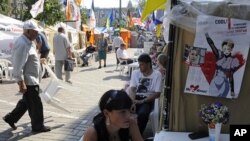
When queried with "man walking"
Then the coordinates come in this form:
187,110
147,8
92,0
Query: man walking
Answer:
62,51
26,72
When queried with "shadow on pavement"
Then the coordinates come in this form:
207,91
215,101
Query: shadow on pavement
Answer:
14,135
121,77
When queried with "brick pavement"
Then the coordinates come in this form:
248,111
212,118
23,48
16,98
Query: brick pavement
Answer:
90,84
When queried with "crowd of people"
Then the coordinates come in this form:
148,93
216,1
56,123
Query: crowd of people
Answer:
123,113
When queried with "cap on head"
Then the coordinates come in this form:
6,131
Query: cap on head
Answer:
30,25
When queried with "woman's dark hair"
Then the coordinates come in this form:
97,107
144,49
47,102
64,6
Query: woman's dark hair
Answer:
111,100
115,100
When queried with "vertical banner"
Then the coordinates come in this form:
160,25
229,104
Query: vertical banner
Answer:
217,59
91,16
68,11
37,8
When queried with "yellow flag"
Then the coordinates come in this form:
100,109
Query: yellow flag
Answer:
152,5
158,30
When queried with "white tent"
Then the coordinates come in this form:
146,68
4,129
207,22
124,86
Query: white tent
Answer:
10,29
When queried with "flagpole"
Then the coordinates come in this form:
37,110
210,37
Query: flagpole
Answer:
120,13
169,71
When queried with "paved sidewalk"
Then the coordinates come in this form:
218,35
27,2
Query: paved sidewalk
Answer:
90,84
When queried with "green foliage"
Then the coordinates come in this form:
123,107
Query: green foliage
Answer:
5,7
51,15
84,15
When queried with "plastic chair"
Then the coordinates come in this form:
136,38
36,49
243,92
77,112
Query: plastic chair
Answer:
122,66
48,96
154,117
6,67
59,83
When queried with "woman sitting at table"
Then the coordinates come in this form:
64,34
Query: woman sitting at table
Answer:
115,122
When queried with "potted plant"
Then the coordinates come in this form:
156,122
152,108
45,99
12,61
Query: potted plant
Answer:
214,115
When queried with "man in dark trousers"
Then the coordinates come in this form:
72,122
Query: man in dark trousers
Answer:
88,53
26,65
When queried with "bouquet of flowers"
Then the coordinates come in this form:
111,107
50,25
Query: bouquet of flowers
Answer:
214,113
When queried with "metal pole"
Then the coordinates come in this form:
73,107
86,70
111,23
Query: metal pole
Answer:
169,75
120,13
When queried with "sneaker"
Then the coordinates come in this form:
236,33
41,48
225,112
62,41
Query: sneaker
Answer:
82,65
104,66
44,129
99,67
69,82
11,124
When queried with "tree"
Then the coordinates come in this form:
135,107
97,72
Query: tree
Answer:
51,15
5,7
84,15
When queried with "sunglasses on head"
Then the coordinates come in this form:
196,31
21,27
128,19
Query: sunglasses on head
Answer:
112,96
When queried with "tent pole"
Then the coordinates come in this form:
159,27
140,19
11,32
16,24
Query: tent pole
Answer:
169,71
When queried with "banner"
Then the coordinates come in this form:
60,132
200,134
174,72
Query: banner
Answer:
91,15
37,8
217,59
10,29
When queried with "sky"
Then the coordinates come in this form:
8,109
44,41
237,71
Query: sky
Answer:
107,3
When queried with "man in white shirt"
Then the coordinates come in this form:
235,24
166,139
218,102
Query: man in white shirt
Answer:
116,44
62,51
122,55
145,87
26,71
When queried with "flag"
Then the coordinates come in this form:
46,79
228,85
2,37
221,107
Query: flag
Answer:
156,16
91,15
37,8
110,19
138,10
129,17
152,5
68,11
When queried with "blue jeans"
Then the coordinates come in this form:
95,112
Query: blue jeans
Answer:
143,110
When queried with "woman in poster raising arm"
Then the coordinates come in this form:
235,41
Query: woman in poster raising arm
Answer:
226,65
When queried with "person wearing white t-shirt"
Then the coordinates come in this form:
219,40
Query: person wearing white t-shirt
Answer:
145,87
122,55
117,41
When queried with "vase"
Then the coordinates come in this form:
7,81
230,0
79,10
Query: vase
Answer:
214,130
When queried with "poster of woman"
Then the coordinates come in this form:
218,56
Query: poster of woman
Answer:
227,43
